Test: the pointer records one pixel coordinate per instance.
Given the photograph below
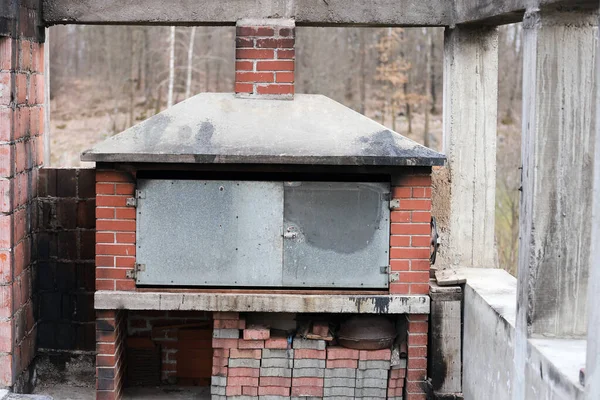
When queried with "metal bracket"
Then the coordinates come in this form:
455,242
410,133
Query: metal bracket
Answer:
131,202
384,270
394,203
132,273
394,277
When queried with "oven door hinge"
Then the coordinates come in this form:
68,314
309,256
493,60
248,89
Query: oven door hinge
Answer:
133,273
132,201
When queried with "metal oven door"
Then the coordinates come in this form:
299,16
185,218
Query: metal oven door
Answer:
209,233
336,234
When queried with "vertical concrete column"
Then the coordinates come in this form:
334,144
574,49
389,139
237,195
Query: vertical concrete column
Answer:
559,119
592,371
559,108
470,113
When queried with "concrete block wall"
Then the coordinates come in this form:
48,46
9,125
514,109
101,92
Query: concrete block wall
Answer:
65,241
21,156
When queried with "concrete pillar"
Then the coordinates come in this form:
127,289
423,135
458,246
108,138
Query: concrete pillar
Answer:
470,114
592,370
559,108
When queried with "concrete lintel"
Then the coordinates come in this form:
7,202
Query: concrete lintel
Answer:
250,302
305,12
227,12
494,12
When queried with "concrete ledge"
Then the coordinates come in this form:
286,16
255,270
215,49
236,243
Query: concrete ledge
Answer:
490,305
250,302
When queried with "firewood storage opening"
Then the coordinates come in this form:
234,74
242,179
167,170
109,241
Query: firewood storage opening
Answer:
270,354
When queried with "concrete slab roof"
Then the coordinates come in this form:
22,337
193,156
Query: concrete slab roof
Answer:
219,128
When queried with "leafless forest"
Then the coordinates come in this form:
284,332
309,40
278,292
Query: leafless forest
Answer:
107,78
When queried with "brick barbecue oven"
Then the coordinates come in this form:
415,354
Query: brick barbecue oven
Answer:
229,222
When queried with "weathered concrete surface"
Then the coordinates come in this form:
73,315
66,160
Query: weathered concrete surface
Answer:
326,303
220,128
470,114
306,12
551,365
445,348
488,345
559,109
592,371
494,12
552,370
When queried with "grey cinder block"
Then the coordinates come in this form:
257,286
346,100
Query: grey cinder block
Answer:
244,363
371,392
372,374
277,353
217,390
226,333
339,382
277,362
338,391
299,343
218,381
309,363
373,364
280,372
372,383
340,373
309,372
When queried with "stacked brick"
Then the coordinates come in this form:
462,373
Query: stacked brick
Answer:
309,368
340,373
396,381
265,58
372,374
416,372
410,233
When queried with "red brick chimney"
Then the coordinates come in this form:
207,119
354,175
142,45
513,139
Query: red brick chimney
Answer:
265,54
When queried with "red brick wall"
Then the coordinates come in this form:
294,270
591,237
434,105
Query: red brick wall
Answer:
409,239
115,230
410,234
110,347
21,155
265,58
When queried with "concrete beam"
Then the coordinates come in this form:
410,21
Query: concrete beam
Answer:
251,302
305,12
494,12
227,12
470,113
592,370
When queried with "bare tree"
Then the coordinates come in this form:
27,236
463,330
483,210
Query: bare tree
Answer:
171,67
